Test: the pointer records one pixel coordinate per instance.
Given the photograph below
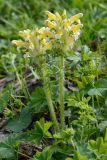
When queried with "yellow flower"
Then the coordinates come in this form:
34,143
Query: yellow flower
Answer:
18,43
51,25
64,14
25,34
76,28
48,46
64,29
58,17
75,18
31,45
59,32
50,15
66,23
45,32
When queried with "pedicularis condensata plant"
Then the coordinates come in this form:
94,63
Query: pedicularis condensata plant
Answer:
59,33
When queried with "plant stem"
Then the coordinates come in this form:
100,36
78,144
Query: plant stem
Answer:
47,91
61,85
22,84
25,88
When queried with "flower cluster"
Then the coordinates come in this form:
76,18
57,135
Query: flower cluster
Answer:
33,41
59,32
65,30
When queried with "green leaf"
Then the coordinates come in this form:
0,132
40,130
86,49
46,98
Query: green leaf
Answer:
65,135
20,122
92,144
44,155
40,131
98,147
4,98
101,83
6,153
47,153
8,146
68,158
96,91
78,156
38,100
99,142
103,125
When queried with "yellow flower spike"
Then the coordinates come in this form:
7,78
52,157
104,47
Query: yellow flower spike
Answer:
76,17
50,15
18,43
51,25
58,17
59,30
64,29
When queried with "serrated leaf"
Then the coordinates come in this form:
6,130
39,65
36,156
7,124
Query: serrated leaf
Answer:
20,122
6,153
38,100
40,131
46,154
8,146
